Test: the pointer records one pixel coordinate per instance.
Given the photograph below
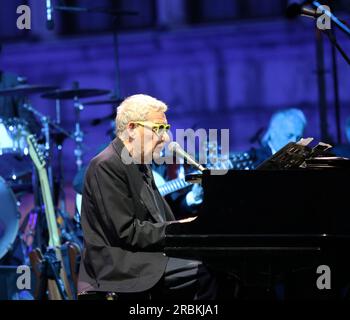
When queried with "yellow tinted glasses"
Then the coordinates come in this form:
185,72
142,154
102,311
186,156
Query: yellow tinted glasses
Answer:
158,128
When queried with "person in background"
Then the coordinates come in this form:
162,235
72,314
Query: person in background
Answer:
285,126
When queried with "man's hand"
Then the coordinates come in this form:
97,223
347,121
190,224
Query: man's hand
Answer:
195,196
197,190
187,219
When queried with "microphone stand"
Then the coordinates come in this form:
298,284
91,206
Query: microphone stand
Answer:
342,26
321,84
335,45
320,60
335,87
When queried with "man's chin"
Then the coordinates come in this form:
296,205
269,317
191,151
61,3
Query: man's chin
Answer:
156,155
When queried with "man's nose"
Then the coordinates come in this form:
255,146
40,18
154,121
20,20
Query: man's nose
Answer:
165,137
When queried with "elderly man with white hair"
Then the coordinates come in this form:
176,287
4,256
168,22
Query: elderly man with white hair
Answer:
124,217
285,126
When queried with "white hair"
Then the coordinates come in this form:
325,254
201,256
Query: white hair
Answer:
136,108
292,114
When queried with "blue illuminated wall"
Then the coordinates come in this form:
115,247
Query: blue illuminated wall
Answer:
233,75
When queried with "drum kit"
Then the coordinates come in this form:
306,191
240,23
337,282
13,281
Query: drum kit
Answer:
17,176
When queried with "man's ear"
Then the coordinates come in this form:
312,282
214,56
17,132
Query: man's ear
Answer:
131,130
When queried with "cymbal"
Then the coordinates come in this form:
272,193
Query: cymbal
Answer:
72,93
114,101
25,89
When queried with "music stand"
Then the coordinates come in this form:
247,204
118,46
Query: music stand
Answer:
294,155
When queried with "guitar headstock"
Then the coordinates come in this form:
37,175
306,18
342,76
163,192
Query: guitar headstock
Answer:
35,152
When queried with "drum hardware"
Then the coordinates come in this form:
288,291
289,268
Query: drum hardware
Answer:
111,101
14,159
25,90
17,132
58,111
13,149
49,135
78,133
46,133
71,94
55,135
68,228
76,94
57,138
13,144
40,115
48,122
9,218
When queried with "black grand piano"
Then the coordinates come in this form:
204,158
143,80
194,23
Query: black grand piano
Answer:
275,231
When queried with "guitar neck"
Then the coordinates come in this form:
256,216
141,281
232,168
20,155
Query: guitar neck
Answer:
54,239
172,186
238,161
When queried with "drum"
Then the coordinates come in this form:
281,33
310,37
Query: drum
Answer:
9,218
14,153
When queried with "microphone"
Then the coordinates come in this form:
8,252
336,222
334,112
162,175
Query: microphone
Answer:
49,19
175,147
299,7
